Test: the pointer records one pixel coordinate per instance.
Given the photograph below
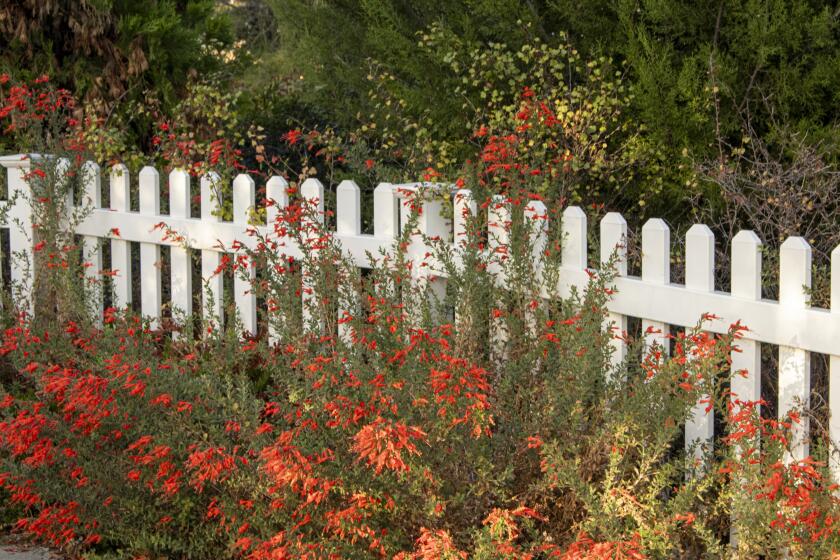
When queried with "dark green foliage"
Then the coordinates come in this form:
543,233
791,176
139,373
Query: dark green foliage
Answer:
699,70
114,52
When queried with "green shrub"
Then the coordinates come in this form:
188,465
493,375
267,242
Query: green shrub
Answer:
439,406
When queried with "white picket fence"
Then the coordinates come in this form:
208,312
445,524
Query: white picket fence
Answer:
790,323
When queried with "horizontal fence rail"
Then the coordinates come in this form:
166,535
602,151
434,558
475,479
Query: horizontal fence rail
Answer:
789,322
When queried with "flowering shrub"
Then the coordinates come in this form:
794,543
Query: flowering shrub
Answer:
438,406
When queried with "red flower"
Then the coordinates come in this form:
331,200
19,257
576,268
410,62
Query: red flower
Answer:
382,442
292,136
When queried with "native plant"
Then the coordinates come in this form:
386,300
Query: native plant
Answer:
453,400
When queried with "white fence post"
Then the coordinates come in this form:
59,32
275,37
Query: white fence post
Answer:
120,249
656,269
498,241
150,286
745,383
180,263
92,250
834,374
536,218
20,230
212,295
385,212
614,242
312,192
794,363
348,222
464,208
745,367
700,276
277,199
434,226
574,239
244,193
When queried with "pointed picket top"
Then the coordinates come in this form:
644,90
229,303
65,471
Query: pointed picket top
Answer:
62,168
120,188
385,210
574,238
835,280
348,208
432,221
92,195
656,252
313,191
614,241
700,258
210,204
464,208
244,191
794,272
536,214
179,193
746,265
498,220
149,187
277,197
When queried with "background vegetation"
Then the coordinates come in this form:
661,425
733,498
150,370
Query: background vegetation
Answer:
408,83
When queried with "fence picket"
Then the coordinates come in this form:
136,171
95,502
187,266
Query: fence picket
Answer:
745,382
213,289
277,198
349,223
435,226
700,276
244,193
536,214
656,269
92,250
150,287
574,238
536,219
745,366
180,263
614,245
312,192
464,209
498,236
348,208
385,212
794,363
498,240
120,249
20,229
834,374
